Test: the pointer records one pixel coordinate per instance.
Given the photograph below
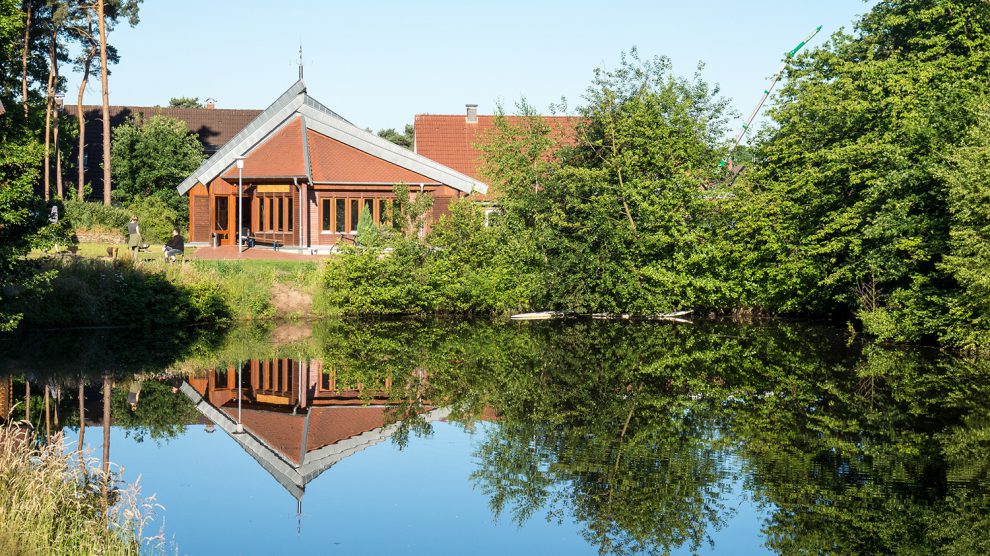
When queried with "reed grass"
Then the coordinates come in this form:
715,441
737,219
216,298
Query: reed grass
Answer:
51,504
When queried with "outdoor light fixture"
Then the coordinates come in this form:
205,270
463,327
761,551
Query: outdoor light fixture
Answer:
240,204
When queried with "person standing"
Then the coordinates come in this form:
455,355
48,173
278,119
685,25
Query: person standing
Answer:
133,236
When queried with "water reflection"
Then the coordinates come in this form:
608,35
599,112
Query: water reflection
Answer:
642,438
292,418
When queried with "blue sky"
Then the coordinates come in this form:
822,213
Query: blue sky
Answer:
380,63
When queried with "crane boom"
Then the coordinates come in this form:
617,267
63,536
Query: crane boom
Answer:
766,93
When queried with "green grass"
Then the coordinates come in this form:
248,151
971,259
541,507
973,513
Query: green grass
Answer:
49,504
97,250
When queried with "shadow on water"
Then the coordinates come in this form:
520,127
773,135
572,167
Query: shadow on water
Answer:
638,432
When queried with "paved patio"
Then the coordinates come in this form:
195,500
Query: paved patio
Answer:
229,253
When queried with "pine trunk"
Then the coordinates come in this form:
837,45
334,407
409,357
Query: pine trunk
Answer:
24,59
106,103
48,120
81,163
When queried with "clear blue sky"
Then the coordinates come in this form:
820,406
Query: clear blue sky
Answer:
380,63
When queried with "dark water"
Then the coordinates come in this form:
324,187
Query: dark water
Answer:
533,438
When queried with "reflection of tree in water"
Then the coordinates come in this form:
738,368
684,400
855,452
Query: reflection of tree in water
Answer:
849,450
637,432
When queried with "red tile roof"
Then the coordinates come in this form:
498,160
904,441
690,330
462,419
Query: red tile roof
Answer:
453,141
278,156
327,425
333,161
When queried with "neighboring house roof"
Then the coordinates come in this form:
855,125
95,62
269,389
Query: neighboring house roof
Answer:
295,105
453,140
214,126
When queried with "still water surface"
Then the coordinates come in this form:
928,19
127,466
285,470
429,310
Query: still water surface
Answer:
354,437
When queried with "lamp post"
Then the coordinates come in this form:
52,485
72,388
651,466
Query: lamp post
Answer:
240,204
240,425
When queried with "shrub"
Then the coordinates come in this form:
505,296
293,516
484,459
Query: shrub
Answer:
93,216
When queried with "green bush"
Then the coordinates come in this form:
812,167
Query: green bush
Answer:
464,267
89,292
156,216
90,216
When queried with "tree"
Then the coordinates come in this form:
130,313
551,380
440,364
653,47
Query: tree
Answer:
107,12
184,102
618,215
404,139
849,208
80,28
150,158
968,256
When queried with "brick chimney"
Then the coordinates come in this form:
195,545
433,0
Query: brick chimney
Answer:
210,105
472,113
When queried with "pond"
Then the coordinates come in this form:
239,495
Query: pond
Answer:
581,437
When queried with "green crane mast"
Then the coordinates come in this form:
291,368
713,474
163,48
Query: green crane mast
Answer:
766,94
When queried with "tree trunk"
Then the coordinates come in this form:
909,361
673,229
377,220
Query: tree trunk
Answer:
106,439
106,103
24,59
82,123
82,422
48,118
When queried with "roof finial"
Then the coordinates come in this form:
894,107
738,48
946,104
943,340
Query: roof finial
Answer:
300,62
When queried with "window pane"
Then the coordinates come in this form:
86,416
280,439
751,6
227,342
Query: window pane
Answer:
222,213
382,211
340,220
354,215
368,206
288,216
261,214
280,218
271,213
326,215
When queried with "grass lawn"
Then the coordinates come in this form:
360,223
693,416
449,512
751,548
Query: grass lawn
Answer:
96,250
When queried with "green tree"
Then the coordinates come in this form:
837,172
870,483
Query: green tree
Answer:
619,215
184,102
150,158
969,237
404,139
850,207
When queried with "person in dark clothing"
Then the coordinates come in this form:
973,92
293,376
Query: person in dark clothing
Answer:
134,236
174,246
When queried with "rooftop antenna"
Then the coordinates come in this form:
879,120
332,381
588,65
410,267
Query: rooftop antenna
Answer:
766,94
300,62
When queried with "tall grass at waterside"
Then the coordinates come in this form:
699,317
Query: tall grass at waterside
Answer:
51,505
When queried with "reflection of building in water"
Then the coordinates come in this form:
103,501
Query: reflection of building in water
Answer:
295,422
6,397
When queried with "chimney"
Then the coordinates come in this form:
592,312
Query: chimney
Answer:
472,113
210,105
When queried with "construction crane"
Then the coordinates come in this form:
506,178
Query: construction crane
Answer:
766,94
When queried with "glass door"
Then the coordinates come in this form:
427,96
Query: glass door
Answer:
221,220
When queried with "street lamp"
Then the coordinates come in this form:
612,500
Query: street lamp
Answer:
240,204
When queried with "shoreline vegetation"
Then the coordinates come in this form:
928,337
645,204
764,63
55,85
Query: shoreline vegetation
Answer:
862,201
52,504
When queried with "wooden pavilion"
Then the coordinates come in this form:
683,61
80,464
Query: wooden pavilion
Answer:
308,175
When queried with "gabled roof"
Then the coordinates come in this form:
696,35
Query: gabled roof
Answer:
453,141
295,101
295,449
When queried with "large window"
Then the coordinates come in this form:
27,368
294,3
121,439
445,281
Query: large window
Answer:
276,212
341,215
